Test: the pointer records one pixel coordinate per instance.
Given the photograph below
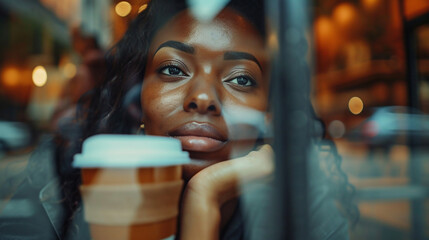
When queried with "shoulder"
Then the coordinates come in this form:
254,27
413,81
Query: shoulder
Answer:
259,208
24,217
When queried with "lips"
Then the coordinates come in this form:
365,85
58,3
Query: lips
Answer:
199,137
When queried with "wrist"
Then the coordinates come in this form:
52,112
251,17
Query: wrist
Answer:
202,188
201,217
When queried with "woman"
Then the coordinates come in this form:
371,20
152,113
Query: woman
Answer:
196,76
205,83
192,73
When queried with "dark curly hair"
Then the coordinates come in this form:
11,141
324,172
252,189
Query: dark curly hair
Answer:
105,108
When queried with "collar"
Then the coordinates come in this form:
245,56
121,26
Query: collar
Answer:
51,199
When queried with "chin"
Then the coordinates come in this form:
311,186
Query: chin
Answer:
190,170
202,160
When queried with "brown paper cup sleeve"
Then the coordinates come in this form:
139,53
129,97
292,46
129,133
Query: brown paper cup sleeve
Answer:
131,204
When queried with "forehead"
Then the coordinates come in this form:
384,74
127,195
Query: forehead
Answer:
228,31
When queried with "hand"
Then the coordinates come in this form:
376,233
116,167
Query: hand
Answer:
215,185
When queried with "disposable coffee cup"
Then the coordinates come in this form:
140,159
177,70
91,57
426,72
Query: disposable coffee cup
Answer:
131,185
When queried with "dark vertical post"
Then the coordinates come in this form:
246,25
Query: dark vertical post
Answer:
417,205
290,103
410,60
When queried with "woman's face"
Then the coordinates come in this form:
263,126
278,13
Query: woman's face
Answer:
198,77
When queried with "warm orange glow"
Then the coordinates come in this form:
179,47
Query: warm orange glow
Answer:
123,8
142,8
370,4
345,14
273,41
40,76
355,105
69,70
324,28
414,8
327,41
10,76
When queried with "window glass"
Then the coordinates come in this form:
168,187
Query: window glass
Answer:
292,119
364,93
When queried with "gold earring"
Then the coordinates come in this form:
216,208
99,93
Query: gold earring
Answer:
141,129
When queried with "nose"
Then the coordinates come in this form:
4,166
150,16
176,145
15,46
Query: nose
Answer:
203,98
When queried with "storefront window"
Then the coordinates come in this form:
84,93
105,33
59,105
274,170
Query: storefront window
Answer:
293,119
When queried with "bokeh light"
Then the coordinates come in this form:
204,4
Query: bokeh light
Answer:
324,28
346,17
40,76
10,76
370,4
123,8
370,129
142,8
355,105
336,129
69,70
273,41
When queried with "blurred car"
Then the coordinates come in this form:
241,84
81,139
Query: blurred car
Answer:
393,124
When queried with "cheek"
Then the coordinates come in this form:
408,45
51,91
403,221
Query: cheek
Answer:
245,116
158,106
257,100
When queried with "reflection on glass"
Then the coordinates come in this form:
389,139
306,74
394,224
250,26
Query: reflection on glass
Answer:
360,92
362,54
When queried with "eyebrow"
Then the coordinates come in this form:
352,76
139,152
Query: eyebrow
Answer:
241,55
230,55
177,45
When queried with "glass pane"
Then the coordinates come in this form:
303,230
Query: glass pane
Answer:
249,80
361,94
199,78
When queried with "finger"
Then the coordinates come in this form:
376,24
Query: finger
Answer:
254,166
224,180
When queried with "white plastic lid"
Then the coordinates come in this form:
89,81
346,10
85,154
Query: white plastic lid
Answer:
125,151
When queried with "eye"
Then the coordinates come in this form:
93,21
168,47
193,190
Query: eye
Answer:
242,81
172,71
